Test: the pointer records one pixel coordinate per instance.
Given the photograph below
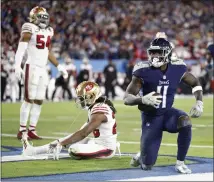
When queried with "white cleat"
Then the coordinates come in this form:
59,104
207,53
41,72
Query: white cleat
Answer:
135,160
28,149
182,168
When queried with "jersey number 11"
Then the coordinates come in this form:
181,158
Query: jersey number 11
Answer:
159,90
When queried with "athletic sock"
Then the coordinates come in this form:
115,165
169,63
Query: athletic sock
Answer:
34,116
24,114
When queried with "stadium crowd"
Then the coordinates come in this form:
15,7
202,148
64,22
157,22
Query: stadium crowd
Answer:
115,29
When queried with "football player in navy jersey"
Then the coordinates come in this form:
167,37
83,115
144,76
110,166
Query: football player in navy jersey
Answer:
158,80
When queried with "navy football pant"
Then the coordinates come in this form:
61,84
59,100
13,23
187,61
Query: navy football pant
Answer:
152,131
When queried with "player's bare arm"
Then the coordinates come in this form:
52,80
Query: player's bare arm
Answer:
132,90
95,121
60,68
52,59
190,80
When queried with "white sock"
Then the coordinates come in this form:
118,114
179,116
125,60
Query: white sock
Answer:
24,113
34,116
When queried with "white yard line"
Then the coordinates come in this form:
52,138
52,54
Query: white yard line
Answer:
186,177
124,142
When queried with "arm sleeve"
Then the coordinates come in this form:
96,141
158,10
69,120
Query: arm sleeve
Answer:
20,53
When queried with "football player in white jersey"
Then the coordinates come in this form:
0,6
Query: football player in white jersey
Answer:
101,122
35,40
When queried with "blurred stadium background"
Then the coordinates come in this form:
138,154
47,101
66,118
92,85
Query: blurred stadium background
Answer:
89,33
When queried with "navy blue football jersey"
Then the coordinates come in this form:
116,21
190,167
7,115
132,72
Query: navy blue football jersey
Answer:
164,83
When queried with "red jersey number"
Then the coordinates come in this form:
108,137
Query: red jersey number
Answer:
114,129
96,133
41,43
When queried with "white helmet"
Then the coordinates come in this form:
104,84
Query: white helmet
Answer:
39,16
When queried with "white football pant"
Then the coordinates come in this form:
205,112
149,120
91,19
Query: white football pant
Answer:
36,81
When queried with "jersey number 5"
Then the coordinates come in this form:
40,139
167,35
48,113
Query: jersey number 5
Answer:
41,43
159,90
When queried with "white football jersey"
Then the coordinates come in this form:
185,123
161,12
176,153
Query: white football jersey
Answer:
37,50
106,133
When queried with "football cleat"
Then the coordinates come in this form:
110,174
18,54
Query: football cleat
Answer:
182,168
135,160
19,134
28,149
146,167
33,135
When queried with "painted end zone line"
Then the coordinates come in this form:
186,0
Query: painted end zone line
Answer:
124,142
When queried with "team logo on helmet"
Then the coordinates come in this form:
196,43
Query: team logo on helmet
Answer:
89,87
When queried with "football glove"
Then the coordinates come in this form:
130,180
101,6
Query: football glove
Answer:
19,72
63,71
55,149
151,99
197,109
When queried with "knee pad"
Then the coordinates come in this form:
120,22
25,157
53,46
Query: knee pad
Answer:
184,121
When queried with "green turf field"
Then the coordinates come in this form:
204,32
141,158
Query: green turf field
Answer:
57,119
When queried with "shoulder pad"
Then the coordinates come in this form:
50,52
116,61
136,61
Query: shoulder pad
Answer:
141,64
28,27
178,61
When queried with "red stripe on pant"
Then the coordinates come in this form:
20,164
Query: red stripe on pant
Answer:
100,153
27,82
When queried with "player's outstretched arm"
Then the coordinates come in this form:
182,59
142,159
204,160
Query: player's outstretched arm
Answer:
132,90
197,90
60,68
23,44
95,121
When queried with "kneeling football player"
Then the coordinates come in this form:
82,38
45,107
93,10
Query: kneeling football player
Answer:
158,79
